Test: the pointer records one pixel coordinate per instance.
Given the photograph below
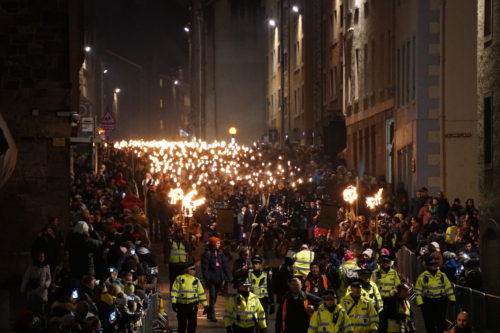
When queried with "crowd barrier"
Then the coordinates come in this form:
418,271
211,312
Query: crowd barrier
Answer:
150,315
483,308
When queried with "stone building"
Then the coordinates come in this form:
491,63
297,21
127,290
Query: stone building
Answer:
42,52
488,104
227,39
368,85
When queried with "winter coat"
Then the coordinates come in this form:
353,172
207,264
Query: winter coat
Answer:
81,250
37,280
212,273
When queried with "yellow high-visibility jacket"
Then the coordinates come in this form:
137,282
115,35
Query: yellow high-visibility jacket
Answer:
178,253
372,294
259,285
386,282
188,289
394,326
433,286
244,312
363,316
323,320
302,264
347,267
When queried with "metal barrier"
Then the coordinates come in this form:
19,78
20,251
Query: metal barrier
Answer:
151,314
483,308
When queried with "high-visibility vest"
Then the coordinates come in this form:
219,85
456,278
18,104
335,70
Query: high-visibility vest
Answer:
283,313
188,289
303,260
380,240
329,322
451,234
244,312
259,285
386,282
178,253
372,294
308,283
393,326
363,316
433,286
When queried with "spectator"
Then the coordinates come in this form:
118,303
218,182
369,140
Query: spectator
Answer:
36,281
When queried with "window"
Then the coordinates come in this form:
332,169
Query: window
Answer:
403,75
413,64
373,66
295,102
161,103
356,77
398,74
332,28
325,87
341,16
355,150
333,82
302,98
365,69
373,150
407,83
297,55
367,150
161,82
488,17
488,131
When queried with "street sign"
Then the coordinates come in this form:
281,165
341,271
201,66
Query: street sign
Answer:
87,124
108,121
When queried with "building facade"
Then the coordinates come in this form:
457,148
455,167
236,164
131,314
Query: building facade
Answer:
488,104
227,69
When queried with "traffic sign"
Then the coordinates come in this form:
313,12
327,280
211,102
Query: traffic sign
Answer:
108,121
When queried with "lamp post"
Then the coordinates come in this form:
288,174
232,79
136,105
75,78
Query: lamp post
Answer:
233,131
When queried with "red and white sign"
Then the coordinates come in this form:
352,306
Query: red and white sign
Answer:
108,121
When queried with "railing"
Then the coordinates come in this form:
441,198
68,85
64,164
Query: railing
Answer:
483,308
150,316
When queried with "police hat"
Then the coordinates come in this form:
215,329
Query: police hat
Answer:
329,295
385,258
257,260
241,281
430,261
363,271
356,284
189,266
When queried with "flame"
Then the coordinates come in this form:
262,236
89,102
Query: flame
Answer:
373,202
350,194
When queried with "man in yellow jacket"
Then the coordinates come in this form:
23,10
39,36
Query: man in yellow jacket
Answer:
387,279
433,290
243,312
369,289
187,292
361,312
303,260
330,317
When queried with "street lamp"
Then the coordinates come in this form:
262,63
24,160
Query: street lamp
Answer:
87,48
176,82
117,90
295,9
105,71
186,29
272,23
233,131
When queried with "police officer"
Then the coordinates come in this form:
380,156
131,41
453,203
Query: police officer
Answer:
187,292
386,279
262,286
398,312
330,317
369,289
361,312
177,254
303,260
243,312
433,290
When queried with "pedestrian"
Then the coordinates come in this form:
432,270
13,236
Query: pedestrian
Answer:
433,290
36,281
330,317
177,254
262,286
215,272
347,271
315,282
243,312
398,312
187,293
462,324
303,260
361,312
295,309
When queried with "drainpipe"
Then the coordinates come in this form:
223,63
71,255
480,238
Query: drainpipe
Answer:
442,117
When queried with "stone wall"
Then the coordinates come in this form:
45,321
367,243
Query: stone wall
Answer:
39,60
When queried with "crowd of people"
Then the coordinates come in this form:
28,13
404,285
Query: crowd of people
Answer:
342,278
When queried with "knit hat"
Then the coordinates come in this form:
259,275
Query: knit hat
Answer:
384,252
368,253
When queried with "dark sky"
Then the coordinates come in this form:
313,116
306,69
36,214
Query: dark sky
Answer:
145,31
